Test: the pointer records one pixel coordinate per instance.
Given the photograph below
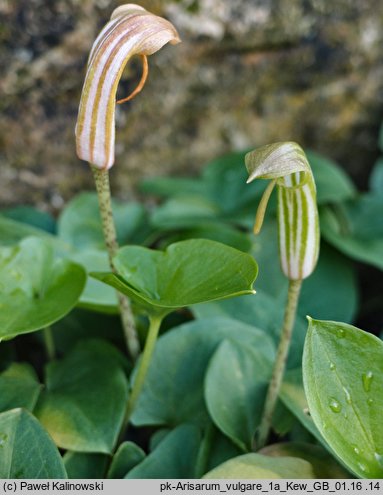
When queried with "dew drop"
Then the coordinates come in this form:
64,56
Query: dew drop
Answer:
370,401
341,333
3,439
348,396
335,406
362,467
367,379
356,450
332,366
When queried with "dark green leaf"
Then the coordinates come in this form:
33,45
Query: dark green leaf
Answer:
343,378
35,289
31,216
262,311
235,389
179,365
162,281
354,231
12,232
333,185
259,467
80,224
19,387
183,212
174,458
26,450
172,186
84,404
128,455
215,231
85,466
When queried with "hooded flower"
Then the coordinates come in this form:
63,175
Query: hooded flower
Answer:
132,30
298,224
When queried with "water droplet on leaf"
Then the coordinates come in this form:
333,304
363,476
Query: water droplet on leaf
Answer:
332,366
367,379
348,396
335,406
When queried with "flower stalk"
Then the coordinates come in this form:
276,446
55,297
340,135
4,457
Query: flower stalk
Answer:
131,31
298,232
101,178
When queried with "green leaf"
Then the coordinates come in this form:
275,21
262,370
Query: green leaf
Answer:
80,223
12,232
128,455
376,178
339,299
343,379
262,311
85,466
259,467
36,289
235,389
171,186
174,458
183,212
356,229
324,465
333,184
31,216
27,451
85,399
178,369
163,281
215,231
19,387
96,295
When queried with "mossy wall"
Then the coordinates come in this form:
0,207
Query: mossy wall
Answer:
247,73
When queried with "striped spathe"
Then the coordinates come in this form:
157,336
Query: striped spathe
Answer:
131,31
298,220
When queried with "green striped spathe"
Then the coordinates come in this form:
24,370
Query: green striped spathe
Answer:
131,31
298,221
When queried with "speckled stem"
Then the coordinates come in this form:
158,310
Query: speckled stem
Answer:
101,178
280,361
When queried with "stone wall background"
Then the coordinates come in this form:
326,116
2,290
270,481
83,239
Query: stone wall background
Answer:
248,72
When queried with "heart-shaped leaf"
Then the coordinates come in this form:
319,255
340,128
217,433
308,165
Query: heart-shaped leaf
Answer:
85,399
174,458
19,387
35,289
235,389
343,379
178,368
26,449
260,467
188,272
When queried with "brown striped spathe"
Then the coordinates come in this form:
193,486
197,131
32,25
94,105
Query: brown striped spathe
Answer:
132,30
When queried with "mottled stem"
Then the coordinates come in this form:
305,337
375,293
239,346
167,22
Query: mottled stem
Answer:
280,361
101,178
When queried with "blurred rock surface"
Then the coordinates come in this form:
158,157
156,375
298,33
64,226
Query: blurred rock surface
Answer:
248,72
